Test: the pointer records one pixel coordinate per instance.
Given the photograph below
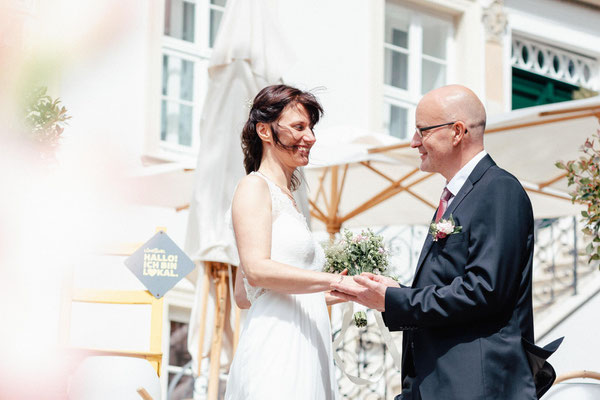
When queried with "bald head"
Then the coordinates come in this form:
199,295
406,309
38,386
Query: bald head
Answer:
450,124
458,103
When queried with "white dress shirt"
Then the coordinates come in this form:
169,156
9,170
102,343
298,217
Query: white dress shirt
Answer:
457,182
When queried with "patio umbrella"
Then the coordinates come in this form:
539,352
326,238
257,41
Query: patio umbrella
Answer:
360,178
248,55
352,187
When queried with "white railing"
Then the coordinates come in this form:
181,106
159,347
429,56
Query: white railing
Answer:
555,63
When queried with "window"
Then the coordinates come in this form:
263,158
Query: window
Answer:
416,51
180,379
190,31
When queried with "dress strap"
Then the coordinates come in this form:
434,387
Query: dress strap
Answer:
272,187
278,198
281,193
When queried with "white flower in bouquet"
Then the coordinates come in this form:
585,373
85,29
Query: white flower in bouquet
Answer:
360,253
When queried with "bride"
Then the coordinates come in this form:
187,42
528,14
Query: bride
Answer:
284,350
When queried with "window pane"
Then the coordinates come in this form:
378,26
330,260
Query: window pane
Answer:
185,125
163,120
187,80
397,125
176,123
396,69
434,76
215,22
396,27
180,19
434,38
178,78
218,2
184,388
178,351
399,38
165,74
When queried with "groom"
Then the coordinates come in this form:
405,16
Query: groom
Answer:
467,319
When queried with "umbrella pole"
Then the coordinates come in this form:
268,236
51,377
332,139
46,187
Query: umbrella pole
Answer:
333,225
206,287
220,274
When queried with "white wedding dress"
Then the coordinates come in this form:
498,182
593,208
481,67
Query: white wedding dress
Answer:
284,350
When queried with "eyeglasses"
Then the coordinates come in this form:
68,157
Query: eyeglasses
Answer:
420,131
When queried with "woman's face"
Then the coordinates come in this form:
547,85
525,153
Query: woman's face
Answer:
295,133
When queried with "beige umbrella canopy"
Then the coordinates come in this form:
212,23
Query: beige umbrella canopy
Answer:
351,187
361,178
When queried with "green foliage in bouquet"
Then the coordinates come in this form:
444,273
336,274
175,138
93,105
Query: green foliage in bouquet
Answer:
584,175
360,253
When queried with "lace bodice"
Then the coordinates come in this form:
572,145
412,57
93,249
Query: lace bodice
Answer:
292,242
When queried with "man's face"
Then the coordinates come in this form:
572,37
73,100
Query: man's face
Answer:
435,147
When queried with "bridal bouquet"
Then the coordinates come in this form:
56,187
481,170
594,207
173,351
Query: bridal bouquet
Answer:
357,253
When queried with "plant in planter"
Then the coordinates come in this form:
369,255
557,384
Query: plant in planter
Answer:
45,121
584,175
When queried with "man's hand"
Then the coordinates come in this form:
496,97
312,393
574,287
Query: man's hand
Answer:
386,280
370,292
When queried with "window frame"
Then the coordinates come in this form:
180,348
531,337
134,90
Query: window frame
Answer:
200,68
199,53
177,308
408,98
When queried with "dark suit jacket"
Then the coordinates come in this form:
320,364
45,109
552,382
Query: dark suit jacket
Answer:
470,302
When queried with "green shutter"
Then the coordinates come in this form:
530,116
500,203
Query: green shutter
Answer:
529,89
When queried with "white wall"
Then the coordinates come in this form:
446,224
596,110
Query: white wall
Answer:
339,47
563,24
108,84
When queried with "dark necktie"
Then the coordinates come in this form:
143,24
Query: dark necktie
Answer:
446,194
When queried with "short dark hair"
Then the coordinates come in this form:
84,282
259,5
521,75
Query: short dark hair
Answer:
267,107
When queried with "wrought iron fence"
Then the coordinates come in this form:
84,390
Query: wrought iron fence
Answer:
364,350
364,353
560,262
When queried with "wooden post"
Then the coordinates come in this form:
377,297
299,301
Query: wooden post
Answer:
206,287
333,225
144,394
220,277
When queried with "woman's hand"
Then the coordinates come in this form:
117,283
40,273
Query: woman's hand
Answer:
239,291
366,289
331,299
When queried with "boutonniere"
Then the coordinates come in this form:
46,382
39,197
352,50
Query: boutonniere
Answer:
443,228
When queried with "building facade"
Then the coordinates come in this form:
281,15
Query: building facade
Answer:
140,78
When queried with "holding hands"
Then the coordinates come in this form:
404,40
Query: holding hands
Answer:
367,289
